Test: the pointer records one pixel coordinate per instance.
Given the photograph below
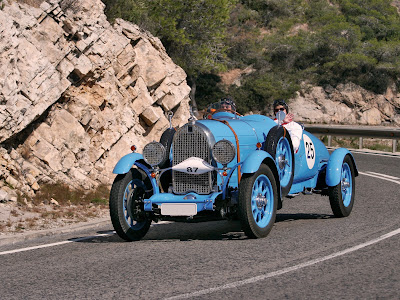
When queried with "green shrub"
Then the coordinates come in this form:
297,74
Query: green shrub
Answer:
260,89
287,41
208,89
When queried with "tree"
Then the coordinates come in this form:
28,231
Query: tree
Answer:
286,42
192,31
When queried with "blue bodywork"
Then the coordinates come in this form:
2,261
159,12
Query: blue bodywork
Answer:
313,163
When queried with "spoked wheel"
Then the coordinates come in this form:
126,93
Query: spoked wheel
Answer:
279,145
258,200
127,213
341,196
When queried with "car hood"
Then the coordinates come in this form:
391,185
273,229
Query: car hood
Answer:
249,130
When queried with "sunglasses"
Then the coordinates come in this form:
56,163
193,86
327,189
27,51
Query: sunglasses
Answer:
279,109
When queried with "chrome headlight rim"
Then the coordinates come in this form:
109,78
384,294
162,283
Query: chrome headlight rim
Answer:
228,156
154,154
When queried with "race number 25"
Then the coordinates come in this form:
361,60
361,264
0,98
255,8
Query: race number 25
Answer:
309,149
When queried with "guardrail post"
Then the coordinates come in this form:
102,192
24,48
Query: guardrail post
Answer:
329,140
394,141
360,143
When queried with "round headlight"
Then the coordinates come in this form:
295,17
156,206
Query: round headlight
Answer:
224,152
154,153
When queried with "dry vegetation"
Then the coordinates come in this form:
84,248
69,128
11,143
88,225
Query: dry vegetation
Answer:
53,206
34,3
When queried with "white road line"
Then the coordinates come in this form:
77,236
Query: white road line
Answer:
55,244
70,241
384,175
380,177
285,270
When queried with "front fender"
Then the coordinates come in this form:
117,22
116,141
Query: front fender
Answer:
254,160
334,167
126,162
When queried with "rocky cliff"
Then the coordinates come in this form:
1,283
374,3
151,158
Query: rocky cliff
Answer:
76,92
346,104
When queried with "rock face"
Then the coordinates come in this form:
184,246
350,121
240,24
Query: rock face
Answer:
346,104
77,92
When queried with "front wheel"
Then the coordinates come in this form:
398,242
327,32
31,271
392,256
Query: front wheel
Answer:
258,198
341,196
127,213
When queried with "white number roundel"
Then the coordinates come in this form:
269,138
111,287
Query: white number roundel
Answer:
309,150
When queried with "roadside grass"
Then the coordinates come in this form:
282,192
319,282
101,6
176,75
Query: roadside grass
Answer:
55,205
384,145
66,196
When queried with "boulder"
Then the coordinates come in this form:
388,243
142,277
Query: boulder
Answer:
4,196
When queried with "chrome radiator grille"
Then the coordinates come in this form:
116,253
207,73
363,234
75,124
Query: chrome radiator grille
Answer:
191,141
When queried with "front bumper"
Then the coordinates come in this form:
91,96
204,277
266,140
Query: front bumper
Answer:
201,202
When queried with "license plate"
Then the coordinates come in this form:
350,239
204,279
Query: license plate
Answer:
179,209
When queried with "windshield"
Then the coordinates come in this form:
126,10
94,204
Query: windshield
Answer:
220,106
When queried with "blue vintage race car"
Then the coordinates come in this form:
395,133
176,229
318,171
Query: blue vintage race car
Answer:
226,166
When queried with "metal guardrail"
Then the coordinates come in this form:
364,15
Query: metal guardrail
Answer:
357,131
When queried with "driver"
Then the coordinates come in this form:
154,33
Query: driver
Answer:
295,129
227,104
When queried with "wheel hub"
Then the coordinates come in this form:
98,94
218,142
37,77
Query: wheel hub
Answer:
345,184
261,201
135,201
282,161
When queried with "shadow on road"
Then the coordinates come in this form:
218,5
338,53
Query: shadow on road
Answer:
212,230
301,216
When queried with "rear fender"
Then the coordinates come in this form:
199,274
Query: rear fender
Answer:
334,167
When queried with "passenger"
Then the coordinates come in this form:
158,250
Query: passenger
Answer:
295,129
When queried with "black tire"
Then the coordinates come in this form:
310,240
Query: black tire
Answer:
127,213
257,214
166,140
341,196
278,138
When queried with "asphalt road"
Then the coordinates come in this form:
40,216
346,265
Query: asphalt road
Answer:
308,255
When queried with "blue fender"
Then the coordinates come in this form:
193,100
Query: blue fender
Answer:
126,162
334,167
254,160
